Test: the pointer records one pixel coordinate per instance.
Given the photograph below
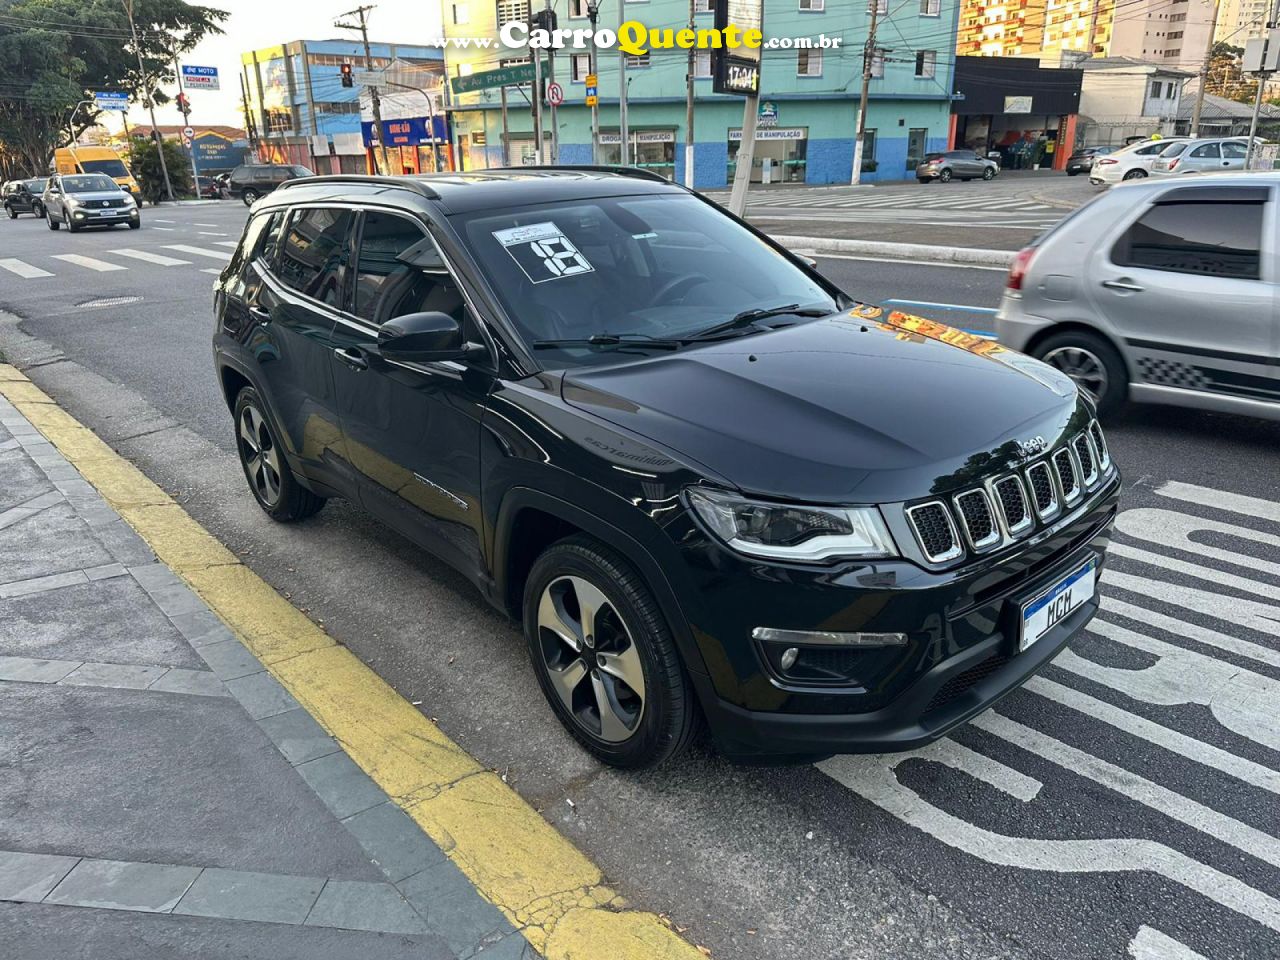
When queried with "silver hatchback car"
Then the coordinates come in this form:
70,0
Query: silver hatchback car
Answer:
1201,156
1162,291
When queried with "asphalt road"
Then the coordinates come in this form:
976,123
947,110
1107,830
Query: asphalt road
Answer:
1125,804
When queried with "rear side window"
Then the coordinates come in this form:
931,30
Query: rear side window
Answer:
314,253
400,271
1206,150
1220,239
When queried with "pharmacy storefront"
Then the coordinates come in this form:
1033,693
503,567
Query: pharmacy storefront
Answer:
780,155
650,149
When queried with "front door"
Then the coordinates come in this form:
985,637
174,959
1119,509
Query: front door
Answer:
293,299
1190,287
411,430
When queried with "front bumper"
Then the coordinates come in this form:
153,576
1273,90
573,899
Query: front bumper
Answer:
961,655
92,217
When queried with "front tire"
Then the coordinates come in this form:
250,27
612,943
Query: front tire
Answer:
13,214
135,224
53,224
249,196
1092,363
605,657
266,469
988,174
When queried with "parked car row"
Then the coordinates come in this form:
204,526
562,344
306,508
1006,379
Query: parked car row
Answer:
1169,157
24,196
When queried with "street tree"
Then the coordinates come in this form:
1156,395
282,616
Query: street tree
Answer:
144,161
56,53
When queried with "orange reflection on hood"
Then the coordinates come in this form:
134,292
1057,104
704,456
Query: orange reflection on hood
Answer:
909,326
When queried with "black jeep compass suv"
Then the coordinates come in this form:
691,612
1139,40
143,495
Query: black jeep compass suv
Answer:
709,483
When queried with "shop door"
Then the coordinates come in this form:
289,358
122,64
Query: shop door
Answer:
917,139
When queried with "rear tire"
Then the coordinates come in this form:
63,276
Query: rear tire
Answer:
925,179
265,466
945,176
1086,357
249,196
1135,175
13,214
595,633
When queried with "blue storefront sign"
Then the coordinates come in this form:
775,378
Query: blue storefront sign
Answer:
410,132
217,153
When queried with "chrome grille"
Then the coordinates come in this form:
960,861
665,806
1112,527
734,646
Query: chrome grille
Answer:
1042,488
1084,455
977,519
1100,445
935,532
1013,504
1066,470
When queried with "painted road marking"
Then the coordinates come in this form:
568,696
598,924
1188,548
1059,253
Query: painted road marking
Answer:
204,224
943,306
199,251
89,262
163,221
157,258
1182,670
214,270
24,270
226,243
1151,944
165,229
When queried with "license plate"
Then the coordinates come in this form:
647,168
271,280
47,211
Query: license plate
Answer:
1057,603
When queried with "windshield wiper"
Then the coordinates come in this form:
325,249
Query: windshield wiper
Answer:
610,340
747,318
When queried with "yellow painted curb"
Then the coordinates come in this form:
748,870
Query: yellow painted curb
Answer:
548,888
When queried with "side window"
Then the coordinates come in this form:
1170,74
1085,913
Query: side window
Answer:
1213,238
314,253
1206,150
400,271
1235,151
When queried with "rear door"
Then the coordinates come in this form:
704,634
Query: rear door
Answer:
1189,284
1206,158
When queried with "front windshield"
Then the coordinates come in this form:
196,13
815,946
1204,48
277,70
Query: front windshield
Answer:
647,267
88,183
112,167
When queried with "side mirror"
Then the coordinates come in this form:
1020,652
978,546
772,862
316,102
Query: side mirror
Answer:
425,338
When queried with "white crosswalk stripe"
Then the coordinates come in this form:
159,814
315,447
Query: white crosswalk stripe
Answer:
156,258
91,263
226,243
1182,672
23,269
199,251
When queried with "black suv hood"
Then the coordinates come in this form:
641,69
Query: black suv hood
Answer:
855,408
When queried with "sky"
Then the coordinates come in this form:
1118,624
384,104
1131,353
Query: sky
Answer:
253,24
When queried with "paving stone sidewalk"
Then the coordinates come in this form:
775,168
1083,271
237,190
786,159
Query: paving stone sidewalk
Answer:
162,795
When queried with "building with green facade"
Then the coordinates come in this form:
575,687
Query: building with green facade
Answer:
808,97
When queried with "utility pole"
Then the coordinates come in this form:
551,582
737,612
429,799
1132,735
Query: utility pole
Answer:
593,14
1204,72
550,79
363,27
688,104
185,106
149,99
868,61
536,105
1262,83
624,128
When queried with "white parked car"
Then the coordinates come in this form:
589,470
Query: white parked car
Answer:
1131,163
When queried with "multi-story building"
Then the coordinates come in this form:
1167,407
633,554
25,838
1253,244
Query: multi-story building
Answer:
1241,20
808,97
299,110
1172,33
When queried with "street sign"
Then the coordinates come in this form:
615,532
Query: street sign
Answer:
767,116
188,133
737,71
593,90
110,100
516,76
555,94
200,78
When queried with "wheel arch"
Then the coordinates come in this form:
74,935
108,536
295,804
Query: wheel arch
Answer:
530,520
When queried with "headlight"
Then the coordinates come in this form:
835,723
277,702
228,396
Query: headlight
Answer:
72,202
780,531
128,200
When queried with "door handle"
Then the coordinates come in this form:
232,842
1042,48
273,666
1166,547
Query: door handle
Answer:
352,358
1125,284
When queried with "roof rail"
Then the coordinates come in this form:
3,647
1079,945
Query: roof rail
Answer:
404,183
616,169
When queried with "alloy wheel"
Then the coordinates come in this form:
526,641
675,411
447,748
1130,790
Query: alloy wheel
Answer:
1082,366
944,176
591,659
259,454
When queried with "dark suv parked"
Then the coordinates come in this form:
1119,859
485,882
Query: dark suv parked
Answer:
23,196
708,482
249,181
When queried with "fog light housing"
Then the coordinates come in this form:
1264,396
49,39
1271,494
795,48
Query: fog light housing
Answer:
829,638
79,215
826,657
788,659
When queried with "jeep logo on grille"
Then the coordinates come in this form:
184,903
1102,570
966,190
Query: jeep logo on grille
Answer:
1031,446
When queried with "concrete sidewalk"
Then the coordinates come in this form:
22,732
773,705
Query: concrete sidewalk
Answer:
161,794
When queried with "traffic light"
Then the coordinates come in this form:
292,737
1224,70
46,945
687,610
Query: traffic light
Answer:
347,80
184,104
543,20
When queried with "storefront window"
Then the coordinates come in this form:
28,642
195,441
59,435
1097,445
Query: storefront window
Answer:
650,149
780,155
